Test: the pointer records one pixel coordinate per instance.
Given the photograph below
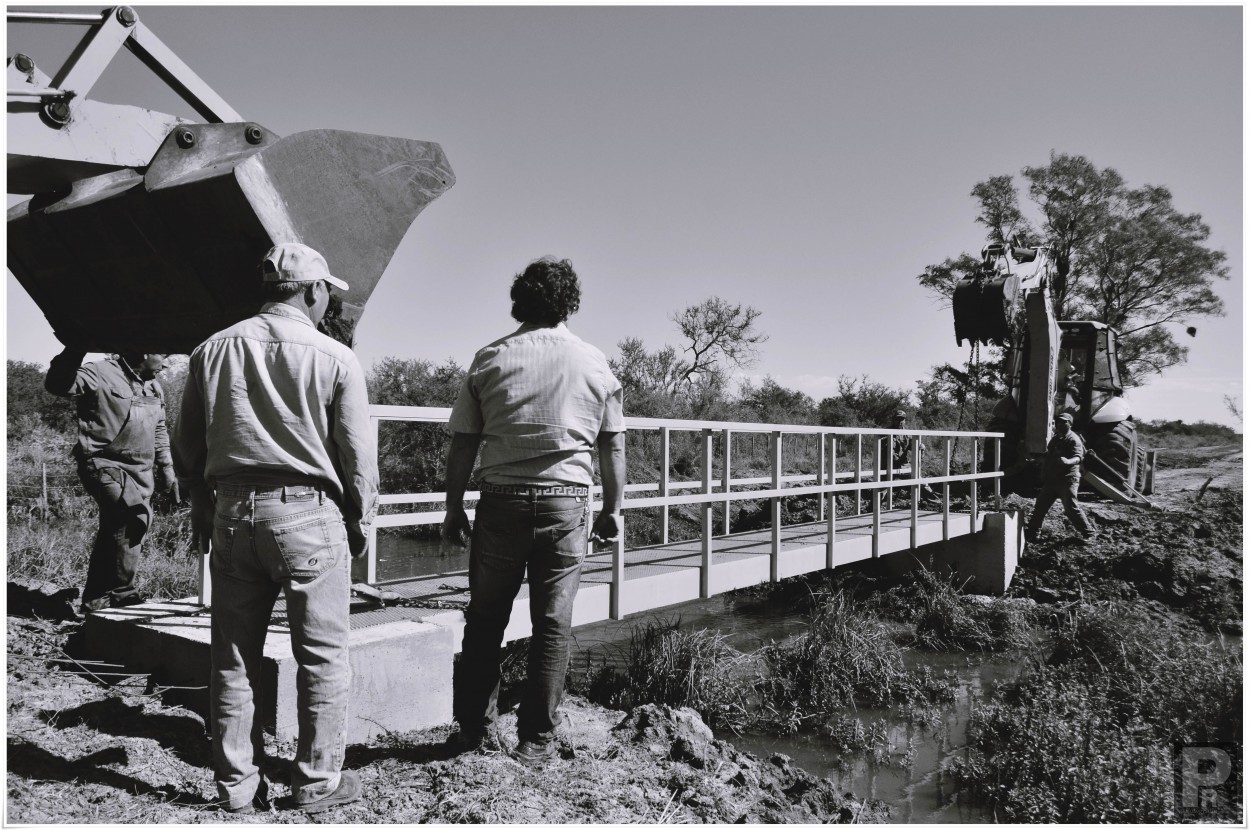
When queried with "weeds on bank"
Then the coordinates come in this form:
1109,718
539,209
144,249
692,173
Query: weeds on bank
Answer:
1090,735
944,618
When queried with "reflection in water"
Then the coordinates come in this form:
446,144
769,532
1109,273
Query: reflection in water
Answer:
914,787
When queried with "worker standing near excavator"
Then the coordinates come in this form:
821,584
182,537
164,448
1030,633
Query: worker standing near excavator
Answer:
123,457
275,445
1061,476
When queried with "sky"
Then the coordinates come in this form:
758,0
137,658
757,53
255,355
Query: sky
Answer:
806,161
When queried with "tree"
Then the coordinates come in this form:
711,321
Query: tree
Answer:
721,335
410,456
29,403
861,402
772,403
1123,256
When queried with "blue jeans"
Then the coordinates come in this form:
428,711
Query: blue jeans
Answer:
545,535
266,540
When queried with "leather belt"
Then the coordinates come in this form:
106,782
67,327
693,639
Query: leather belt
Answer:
535,490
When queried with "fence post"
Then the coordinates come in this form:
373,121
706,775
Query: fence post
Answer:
618,574
664,453
774,567
831,512
889,455
727,478
998,467
973,488
705,565
46,506
820,477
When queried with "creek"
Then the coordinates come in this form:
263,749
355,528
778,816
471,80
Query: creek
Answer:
911,782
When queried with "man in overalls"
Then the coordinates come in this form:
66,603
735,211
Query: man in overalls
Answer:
1061,477
122,443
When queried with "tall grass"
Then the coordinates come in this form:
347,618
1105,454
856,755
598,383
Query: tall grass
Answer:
1090,735
944,618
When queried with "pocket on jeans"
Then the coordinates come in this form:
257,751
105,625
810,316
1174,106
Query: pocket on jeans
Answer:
310,546
222,554
567,532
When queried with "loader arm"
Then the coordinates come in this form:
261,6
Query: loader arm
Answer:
145,230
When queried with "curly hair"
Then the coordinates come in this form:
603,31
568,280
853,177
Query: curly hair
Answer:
546,293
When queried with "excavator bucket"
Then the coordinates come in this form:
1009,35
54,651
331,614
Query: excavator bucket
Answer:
984,306
157,261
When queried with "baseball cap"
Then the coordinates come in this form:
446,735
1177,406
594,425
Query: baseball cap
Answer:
1064,417
900,414
293,262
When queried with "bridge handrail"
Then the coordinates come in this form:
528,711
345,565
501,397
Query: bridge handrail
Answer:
829,481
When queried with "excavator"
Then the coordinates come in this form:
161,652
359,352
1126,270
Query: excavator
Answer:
144,231
1051,367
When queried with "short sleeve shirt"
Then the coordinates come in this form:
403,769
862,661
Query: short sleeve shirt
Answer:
1064,447
539,397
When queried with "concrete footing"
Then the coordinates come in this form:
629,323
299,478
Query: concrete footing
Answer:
401,670
986,560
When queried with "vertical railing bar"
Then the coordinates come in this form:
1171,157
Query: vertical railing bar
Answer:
890,474
972,444
820,477
728,478
371,557
705,564
774,567
859,473
618,574
998,466
876,499
915,489
664,460
945,490
831,513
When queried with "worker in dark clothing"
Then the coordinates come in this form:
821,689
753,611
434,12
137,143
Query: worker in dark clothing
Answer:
1061,475
900,456
123,457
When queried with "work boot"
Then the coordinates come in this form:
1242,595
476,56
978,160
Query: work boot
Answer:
260,802
349,790
470,741
535,754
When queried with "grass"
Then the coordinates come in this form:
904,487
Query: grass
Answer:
944,618
1090,735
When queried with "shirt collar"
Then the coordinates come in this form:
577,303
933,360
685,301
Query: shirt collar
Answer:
535,327
287,311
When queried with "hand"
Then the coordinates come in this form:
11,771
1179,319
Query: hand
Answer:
357,540
607,528
456,527
166,480
203,507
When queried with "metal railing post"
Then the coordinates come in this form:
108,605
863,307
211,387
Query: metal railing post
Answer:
946,489
664,453
727,477
876,499
973,488
915,489
618,574
774,567
371,556
998,467
889,499
820,477
859,473
705,564
831,511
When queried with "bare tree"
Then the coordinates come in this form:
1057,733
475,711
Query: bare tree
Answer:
719,334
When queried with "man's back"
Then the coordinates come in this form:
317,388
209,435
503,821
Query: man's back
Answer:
540,397
287,402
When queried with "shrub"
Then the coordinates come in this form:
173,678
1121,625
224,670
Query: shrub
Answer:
944,618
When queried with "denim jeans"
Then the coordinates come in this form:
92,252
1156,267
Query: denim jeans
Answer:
546,536
266,540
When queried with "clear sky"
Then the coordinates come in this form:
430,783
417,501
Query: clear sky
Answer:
807,161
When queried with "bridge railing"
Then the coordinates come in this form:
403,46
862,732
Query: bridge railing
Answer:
837,455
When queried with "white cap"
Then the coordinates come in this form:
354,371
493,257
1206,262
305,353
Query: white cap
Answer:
293,262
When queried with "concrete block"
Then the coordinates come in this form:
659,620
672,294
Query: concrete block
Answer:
986,560
401,670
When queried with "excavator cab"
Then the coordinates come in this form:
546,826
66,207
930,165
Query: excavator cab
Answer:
144,231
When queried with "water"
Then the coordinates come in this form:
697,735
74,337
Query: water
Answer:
916,791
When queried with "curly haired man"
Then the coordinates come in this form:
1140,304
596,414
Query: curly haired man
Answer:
536,402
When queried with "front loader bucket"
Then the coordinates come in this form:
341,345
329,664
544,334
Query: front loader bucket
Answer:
983,308
157,262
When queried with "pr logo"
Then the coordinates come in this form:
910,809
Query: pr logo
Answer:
1208,782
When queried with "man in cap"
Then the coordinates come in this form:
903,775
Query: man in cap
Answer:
1061,476
122,442
537,401
276,448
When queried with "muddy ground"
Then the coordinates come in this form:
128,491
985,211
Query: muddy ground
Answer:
83,750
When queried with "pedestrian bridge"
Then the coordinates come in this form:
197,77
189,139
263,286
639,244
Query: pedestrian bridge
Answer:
857,507
720,506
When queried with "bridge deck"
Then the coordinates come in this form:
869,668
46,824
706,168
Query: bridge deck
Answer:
661,575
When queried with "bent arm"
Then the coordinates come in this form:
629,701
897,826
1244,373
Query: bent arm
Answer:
63,373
